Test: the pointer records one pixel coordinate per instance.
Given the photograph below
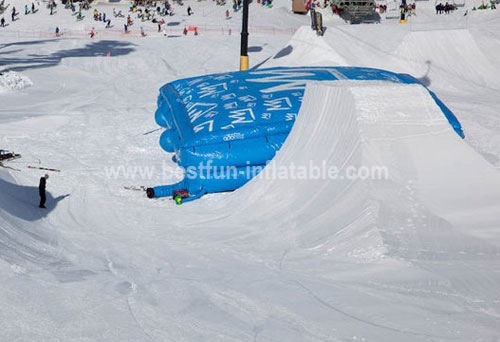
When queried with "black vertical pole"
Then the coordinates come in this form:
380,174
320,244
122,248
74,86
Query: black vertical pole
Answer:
244,38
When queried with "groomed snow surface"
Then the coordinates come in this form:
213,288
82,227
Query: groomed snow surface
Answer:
414,256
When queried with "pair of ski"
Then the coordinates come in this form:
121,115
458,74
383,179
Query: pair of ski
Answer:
43,168
135,188
7,156
29,166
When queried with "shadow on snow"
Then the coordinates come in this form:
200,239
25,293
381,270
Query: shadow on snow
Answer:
22,201
34,61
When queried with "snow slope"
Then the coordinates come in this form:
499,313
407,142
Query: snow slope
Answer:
437,213
414,257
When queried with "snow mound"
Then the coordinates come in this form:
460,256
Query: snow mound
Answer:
455,51
13,81
305,45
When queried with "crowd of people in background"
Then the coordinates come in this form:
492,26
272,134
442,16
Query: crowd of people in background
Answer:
14,13
446,8
148,11
144,10
155,11
28,9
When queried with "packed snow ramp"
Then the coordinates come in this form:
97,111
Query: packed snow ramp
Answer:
434,212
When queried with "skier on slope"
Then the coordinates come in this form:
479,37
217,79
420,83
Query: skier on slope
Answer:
41,190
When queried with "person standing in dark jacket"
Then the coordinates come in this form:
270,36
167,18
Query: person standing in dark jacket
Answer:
41,190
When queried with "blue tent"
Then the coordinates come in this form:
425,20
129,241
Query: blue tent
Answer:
223,128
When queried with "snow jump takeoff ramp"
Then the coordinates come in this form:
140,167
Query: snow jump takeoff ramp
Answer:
224,128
